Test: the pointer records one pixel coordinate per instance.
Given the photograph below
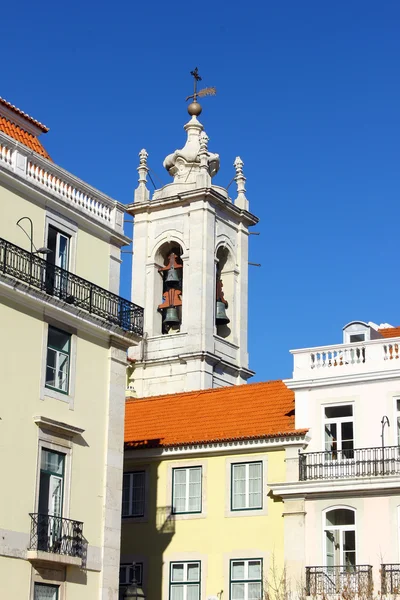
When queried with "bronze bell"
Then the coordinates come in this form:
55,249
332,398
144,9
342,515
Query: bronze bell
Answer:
171,316
220,316
172,277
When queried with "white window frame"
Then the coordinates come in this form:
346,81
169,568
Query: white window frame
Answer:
49,585
338,421
65,227
247,486
50,392
245,581
187,489
396,433
60,355
184,581
130,474
340,528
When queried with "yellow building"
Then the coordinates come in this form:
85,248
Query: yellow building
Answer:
64,332
198,519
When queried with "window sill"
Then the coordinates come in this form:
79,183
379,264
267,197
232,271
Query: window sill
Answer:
247,512
50,393
38,556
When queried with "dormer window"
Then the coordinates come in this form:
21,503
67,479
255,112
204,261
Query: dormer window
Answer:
357,337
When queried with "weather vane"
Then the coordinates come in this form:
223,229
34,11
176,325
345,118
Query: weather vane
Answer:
208,91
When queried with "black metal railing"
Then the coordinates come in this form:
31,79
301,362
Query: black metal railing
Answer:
56,535
54,281
390,579
343,464
356,579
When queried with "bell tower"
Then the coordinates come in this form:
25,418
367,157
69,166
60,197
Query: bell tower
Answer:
190,273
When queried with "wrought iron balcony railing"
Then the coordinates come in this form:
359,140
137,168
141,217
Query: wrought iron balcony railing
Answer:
390,579
74,290
324,581
354,463
56,535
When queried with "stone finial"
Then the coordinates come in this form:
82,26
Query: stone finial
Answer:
142,193
241,200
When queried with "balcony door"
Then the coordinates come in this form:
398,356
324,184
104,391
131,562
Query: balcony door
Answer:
340,538
339,432
51,489
59,244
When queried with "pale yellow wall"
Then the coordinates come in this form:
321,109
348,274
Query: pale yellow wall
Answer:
92,254
213,539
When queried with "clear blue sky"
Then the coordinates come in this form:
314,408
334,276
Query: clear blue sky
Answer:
308,96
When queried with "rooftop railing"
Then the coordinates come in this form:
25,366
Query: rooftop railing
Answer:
56,535
347,579
73,290
350,463
346,359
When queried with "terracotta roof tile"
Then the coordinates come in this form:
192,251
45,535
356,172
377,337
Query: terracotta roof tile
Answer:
22,136
247,411
390,332
24,115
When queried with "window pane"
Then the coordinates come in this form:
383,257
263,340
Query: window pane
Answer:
58,339
237,591
45,592
63,371
125,494
177,592
237,570
357,337
349,541
137,493
255,485
51,367
335,412
239,486
195,489
193,592
340,516
254,569
254,591
193,572
52,461
177,572
347,431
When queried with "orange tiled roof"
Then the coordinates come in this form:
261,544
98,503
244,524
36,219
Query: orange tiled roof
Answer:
24,115
247,411
390,332
22,136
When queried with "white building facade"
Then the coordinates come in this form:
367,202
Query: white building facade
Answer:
190,269
342,494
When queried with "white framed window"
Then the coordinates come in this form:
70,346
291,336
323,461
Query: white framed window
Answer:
339,431
44,591
340,537
246,579
246,486
58,359
133,494
186,490
397,406
185,578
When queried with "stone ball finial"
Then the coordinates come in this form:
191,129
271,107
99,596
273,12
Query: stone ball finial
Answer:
194,109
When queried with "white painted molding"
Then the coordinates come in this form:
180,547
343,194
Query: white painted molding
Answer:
58,426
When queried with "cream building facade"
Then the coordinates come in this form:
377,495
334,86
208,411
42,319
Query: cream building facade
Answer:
65,332
342,508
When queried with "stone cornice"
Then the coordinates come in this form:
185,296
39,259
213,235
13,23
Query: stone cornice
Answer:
329,488
298,384
206,194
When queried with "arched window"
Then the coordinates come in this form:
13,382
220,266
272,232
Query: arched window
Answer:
224,292
169,287
340,537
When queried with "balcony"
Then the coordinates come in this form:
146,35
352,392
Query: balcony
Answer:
54,539
349,579
71,289
390,579
346,464
346,359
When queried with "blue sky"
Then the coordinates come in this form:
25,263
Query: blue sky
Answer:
308,96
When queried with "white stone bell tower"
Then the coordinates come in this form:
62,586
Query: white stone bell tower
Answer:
190,273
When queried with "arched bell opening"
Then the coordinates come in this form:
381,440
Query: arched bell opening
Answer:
169,287
224,293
